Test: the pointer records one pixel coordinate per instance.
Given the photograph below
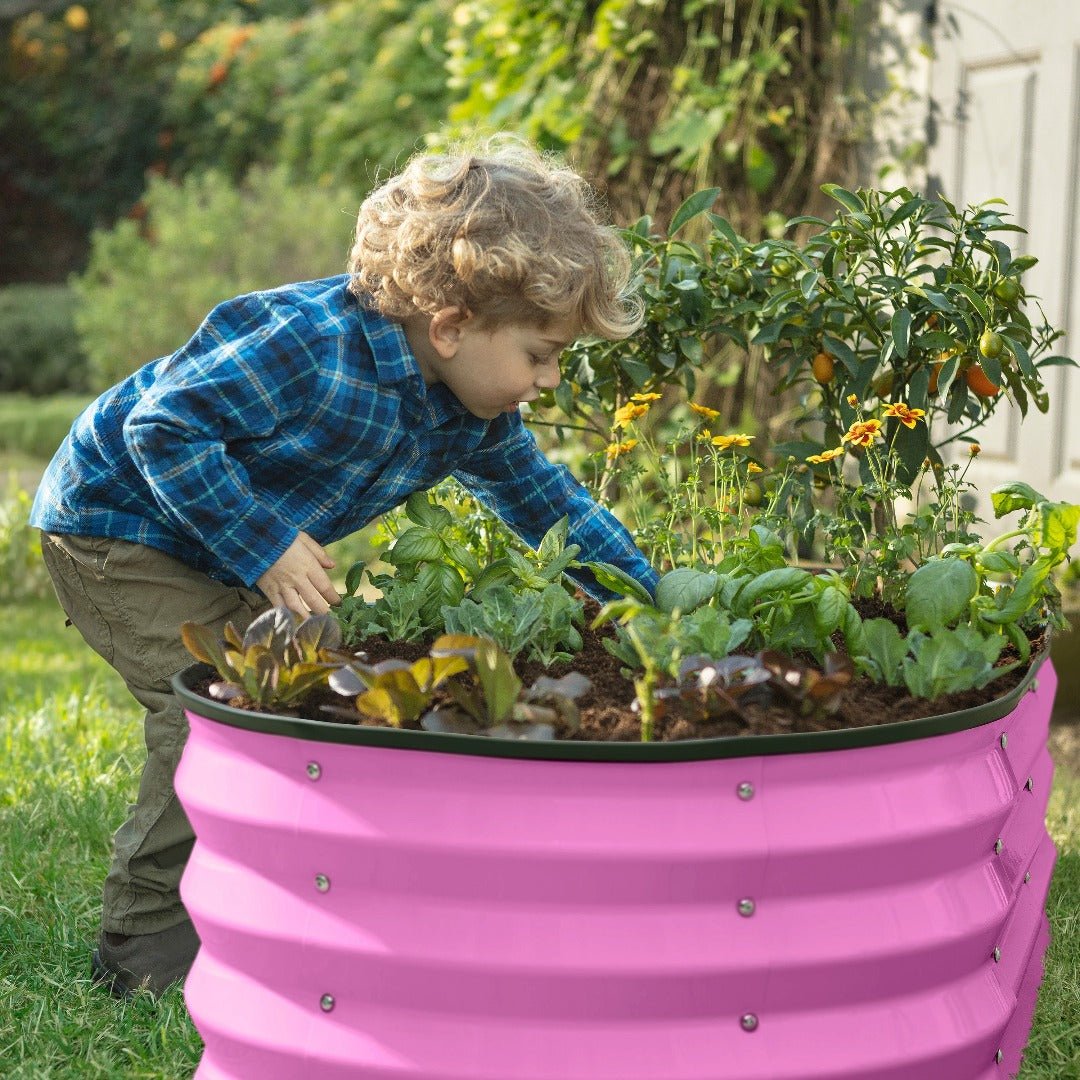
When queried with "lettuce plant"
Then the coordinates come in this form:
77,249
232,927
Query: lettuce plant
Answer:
276,662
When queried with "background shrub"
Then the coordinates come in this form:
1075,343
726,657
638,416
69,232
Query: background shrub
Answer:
35,427
149,285
22,573
39,346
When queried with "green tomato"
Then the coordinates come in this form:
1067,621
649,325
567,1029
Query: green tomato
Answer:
1007,290
991,345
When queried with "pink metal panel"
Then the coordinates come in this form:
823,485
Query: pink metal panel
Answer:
409,914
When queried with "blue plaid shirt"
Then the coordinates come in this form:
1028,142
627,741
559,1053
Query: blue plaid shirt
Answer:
298,408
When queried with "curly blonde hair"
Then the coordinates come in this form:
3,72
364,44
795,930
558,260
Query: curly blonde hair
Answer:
502,232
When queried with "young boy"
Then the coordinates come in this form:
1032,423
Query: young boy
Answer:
204,486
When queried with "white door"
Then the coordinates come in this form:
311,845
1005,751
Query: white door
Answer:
1006,91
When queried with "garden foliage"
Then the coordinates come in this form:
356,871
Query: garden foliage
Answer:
39,348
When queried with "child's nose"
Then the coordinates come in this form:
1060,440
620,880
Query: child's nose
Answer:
548,377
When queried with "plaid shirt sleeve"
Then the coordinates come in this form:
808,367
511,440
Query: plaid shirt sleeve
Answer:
245,374
512,477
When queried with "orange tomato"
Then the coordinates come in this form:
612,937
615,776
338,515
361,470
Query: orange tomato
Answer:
979,384
824,367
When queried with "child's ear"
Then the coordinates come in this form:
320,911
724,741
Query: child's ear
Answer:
446,329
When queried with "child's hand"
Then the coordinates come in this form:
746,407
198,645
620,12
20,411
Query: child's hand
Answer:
298,579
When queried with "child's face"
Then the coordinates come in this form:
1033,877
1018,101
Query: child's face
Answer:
493,371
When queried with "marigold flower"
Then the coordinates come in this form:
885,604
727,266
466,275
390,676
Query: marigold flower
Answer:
645,397
753,467
974,450
907,417
825,455
726,442
853,400
617,449
705,411
628,414
863,433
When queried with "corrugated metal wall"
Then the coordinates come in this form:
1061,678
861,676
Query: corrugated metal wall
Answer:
874,913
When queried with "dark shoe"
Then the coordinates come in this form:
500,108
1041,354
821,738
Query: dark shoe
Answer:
150,962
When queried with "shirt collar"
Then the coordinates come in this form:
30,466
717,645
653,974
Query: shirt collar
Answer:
397,366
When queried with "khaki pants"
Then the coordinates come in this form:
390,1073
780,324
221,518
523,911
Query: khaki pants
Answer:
128,602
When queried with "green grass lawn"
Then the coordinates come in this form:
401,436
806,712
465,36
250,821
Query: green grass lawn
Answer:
70,748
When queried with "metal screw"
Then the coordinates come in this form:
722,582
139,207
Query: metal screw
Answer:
997,956
322,882
746,791
1004,741
1030,785
1027,877
749,1022
998,1056
999,845
326,1002
314,770
746,907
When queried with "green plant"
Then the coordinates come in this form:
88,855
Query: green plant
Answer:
22,573
539,625
494,703
39,348
277,661
181,252
37,426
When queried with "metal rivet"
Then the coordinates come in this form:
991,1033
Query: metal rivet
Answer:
314,770
746,907
1004,741
999,845
1030,785
998,1056
1027,877
322,882
749,1022
746,791
997,956
326,1002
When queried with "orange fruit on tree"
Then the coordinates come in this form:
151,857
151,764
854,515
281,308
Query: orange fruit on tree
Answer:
991,344
824,367
935,372
979,384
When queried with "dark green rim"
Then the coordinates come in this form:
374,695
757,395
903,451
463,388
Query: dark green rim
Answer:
686,750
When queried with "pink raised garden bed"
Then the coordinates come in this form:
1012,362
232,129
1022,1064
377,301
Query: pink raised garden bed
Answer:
865,904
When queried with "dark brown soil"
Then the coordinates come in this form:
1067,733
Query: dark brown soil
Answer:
607,710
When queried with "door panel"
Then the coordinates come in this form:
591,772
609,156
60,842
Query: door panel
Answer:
1006,89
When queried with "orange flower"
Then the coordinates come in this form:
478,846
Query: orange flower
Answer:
907,417
974,450
852,400
628,413
645,397
726,442
705,411
825,455
219,72
863,433
617,449
753,467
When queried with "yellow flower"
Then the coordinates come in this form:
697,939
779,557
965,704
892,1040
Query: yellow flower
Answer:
753,467
907,417
628,413
705,411
704,435
645,397
974,450
863,433
852,400
616,449
726,442
825,455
